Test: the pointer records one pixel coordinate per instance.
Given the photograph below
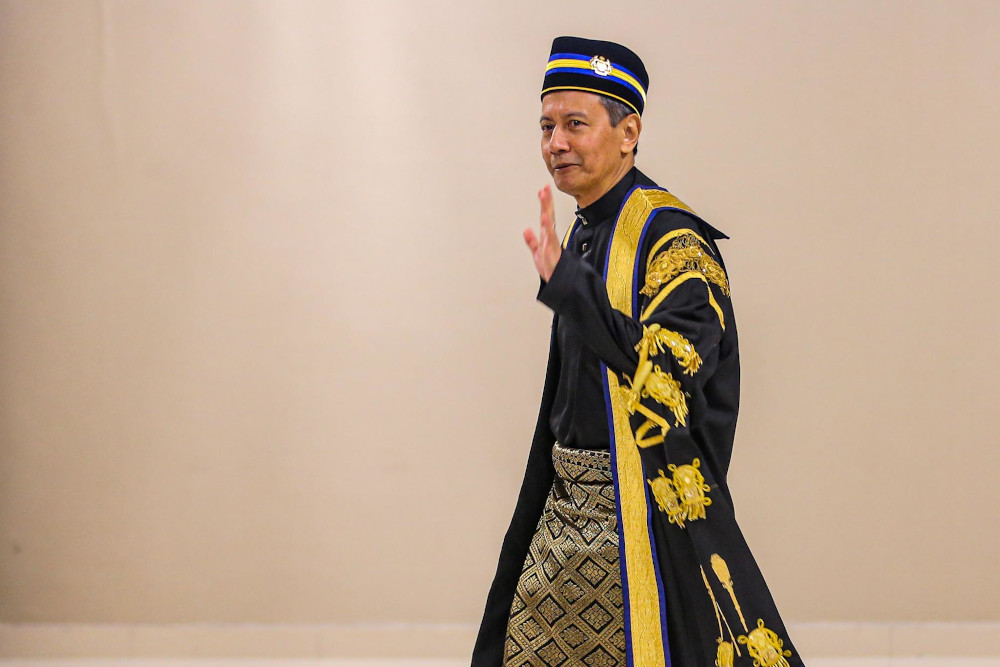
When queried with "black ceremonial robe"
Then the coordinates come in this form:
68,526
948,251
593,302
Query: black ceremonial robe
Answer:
657,311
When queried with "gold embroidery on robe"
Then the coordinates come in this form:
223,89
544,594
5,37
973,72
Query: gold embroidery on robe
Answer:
649,380
691,489
682,497
646,645
666,498
641,433
664,389
686,253
678,281
722,572
765,647
652,382
630,401
656,340
724,653
670,236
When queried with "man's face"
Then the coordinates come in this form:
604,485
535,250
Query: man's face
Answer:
584,153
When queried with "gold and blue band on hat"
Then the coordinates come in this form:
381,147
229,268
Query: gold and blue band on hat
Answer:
577,64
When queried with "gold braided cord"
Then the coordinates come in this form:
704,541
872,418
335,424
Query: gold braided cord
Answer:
677,282
686,253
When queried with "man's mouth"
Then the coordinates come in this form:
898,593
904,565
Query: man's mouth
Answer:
563,166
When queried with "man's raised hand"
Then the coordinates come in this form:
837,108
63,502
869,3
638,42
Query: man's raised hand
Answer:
545,248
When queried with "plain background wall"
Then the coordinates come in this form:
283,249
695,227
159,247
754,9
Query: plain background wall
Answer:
269,350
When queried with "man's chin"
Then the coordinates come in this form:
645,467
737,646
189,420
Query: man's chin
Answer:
563,184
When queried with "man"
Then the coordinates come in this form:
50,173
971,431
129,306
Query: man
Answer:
623,547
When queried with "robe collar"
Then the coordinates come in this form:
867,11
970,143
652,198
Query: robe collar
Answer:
608,205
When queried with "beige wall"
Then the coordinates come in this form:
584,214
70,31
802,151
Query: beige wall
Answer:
268,344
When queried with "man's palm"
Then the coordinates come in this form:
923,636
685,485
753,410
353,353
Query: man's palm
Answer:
545,248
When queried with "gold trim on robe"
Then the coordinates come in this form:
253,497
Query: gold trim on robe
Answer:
638,567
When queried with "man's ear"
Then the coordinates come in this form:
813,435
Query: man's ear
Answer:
631,128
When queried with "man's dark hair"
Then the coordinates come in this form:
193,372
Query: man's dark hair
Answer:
617,112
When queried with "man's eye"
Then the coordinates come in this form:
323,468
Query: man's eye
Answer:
576,123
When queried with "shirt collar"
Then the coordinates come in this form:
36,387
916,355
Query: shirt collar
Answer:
610,202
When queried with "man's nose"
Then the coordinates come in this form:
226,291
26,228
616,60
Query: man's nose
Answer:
557,141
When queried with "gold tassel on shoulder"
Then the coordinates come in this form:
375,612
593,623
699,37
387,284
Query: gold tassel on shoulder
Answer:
765,647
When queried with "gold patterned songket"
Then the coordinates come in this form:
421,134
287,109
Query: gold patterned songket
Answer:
765,647
686,253
568,607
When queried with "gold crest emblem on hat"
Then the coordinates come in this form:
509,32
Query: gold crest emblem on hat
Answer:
600,65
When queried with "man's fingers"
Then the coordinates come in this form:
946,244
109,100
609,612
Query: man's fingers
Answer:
548,215
549,206
545,247
548,230
548,211
531,239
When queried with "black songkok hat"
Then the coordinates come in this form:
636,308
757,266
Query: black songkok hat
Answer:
598,67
